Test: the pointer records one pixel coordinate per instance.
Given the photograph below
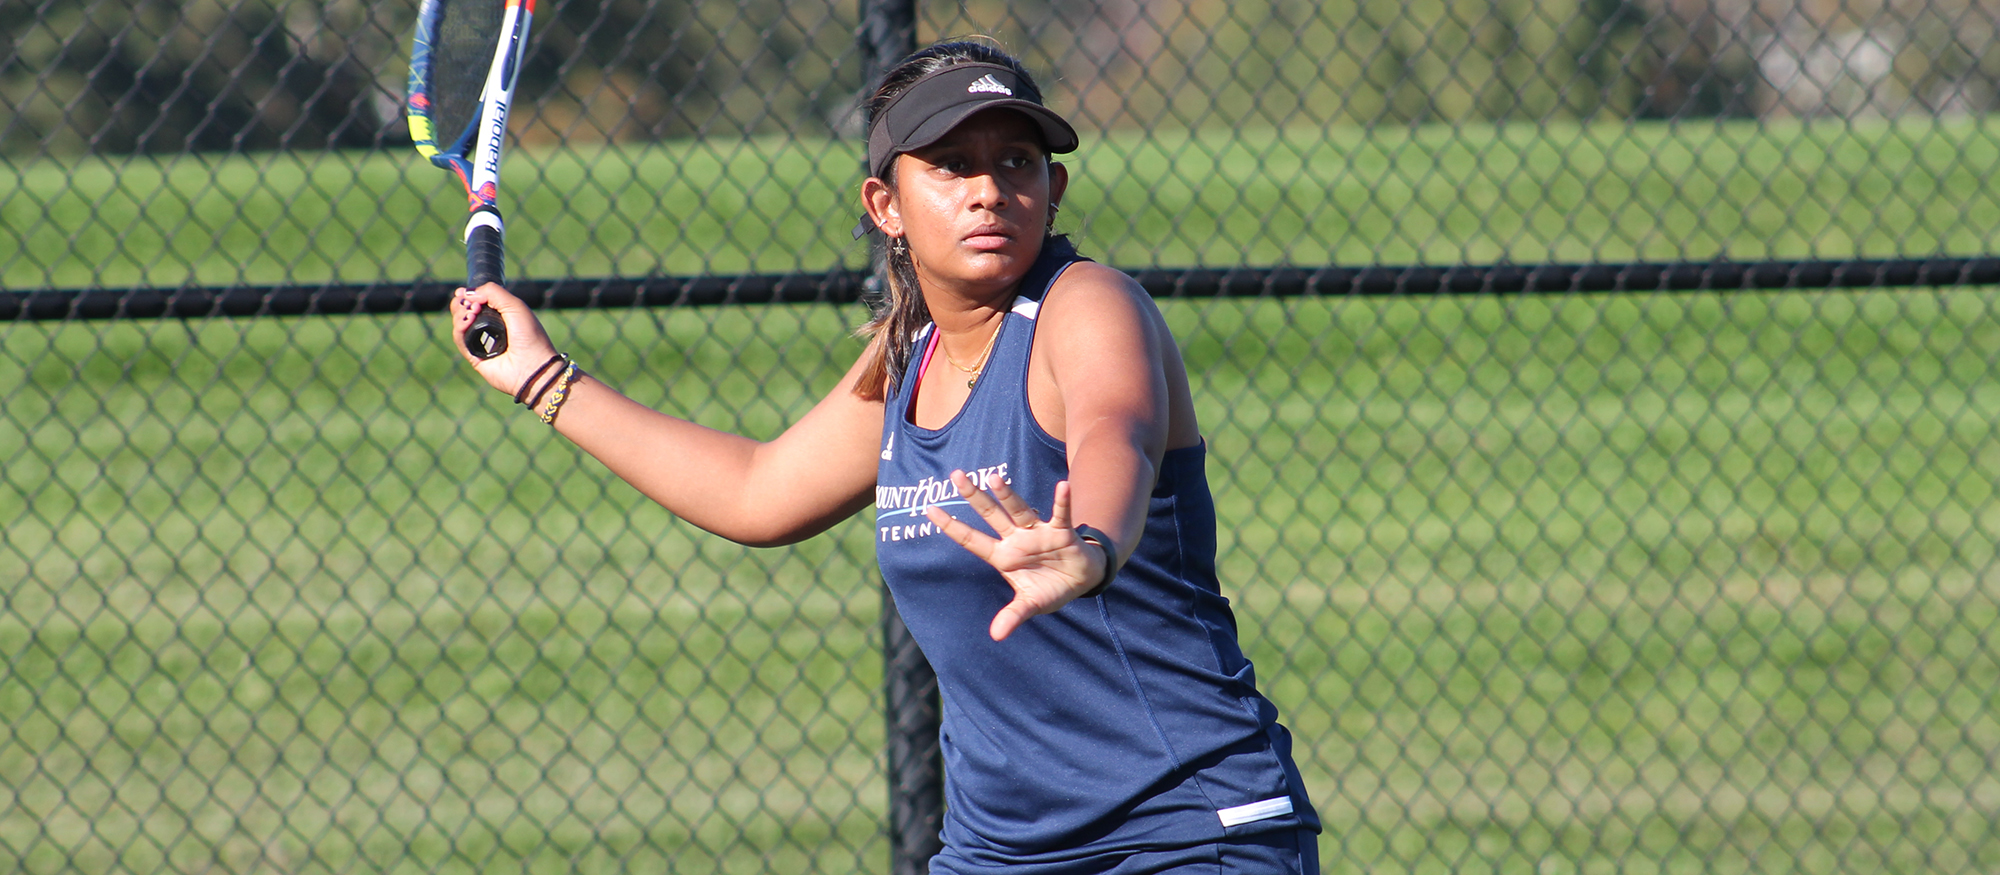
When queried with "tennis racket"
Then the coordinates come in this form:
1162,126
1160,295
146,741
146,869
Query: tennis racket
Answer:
463,63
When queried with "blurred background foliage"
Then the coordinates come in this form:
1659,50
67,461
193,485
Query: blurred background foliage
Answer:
174,76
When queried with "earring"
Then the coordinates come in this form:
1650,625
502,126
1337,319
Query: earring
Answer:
897,246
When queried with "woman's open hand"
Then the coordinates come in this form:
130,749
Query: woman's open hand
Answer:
528,346
1045,561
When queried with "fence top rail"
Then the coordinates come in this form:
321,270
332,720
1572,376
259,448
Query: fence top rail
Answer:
847,286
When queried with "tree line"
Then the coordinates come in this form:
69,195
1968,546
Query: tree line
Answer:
170,76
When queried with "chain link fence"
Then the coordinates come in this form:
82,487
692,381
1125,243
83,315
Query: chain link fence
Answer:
1575,521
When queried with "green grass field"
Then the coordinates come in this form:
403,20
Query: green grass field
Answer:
1303,196
1620,584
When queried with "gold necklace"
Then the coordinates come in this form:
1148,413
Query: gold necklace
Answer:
983,356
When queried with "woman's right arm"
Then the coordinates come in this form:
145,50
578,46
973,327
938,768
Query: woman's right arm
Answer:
820,471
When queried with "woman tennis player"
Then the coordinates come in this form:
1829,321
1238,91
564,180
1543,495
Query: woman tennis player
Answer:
1098,713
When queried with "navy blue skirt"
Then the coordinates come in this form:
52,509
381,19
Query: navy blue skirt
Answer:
1281,852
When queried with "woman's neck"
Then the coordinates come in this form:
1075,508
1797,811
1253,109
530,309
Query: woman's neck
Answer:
958,308
959,303
960,317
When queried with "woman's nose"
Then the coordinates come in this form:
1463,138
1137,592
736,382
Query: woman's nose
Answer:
983,191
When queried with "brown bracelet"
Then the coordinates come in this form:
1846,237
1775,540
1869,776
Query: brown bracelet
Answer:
535,400
520,396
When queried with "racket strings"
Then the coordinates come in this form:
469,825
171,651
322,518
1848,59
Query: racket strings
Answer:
468,32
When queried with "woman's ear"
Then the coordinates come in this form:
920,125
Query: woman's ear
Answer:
1058,182
880,202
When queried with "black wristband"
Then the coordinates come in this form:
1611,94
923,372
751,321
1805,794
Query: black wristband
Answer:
1103,541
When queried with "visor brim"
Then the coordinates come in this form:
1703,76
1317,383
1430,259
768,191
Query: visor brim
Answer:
1057,135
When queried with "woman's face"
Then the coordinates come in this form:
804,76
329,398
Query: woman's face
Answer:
974,205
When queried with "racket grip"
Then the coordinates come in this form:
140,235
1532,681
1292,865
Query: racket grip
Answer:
485,262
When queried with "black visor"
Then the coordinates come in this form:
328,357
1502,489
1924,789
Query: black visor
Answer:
935,104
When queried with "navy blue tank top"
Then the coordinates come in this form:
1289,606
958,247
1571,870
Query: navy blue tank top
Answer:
1125,721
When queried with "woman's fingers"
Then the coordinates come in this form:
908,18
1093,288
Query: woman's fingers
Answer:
1002,509
1010,618
528,345
462,311
1042,560
1059,514
977,542
982,503
1017,509
467,303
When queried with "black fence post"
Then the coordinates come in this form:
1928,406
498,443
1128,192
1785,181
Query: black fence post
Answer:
916,766
888,32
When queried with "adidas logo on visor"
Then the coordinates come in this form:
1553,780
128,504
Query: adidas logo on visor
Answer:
988,84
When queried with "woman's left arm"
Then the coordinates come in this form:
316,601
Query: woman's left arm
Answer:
1105,380
1102,386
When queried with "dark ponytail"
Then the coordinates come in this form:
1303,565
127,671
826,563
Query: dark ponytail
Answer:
897,310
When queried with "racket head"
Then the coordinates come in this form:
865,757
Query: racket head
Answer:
454,48
463,63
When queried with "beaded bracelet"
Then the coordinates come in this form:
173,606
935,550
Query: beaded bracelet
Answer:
520,396
560,394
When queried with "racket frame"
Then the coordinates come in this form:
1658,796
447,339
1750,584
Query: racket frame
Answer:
484,138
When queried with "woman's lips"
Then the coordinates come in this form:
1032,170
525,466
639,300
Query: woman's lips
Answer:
989,238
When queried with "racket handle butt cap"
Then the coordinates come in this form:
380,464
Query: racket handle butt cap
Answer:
486,337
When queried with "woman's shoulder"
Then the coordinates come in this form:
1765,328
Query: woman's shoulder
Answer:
1096,317
1095,297
1087,272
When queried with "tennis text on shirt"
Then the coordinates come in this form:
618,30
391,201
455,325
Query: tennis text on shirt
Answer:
899,510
